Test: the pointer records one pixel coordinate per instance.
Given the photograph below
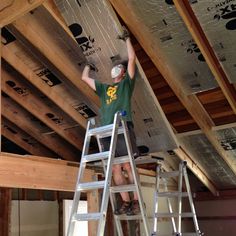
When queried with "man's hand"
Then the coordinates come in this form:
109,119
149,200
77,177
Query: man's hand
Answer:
125,35
91,66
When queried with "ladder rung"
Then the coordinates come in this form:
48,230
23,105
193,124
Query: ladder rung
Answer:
123,188
172,194
125,217
91,185
174,234
170,174
169,215
104,131
87,216
96,157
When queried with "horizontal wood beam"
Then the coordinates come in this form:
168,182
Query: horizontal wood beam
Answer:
194,27
34,172
11,10
23,140
32,103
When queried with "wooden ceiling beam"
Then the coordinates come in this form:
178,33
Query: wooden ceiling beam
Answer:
32,30
191,102
9,56
35,172
194,27
11,10
23,140
18,116
32,104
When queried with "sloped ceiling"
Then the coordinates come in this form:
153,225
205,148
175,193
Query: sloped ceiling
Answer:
189,65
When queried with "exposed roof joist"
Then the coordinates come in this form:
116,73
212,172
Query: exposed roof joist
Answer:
11,10
190,102
188,16
37,108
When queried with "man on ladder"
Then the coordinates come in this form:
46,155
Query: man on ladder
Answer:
114,98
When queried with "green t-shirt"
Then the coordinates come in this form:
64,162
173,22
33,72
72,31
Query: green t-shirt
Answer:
115,97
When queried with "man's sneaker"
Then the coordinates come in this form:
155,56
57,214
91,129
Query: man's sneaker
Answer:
134,208
123,209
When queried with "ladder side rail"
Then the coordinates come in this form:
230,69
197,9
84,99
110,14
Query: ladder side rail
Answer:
112,197
105,197
191,201
136,177
76,198
180,185
169,206
155,203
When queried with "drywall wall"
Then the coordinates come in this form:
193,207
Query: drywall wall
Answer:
34,218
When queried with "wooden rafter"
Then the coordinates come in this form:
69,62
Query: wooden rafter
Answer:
188,16
11,10
9,56
32,30
37,108
23,120
23,140
190,102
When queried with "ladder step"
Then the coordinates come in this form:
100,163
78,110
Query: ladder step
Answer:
87,216
96,157
169,215
90,185
123,188
170,174
125,217
172,194
104,131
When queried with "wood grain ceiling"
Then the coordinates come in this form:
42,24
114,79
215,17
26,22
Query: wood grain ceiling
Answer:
43,121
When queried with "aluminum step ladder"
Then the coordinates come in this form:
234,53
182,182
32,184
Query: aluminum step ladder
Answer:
175,217
107,158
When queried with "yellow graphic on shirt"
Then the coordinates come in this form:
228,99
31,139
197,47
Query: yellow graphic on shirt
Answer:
111,93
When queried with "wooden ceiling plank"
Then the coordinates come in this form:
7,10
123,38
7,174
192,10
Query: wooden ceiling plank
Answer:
11,10
31,30
56,145
21,172
191,102
19,137
190,20
9,56
37,108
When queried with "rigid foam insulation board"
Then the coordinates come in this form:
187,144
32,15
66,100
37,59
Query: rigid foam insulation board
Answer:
95,27
59,85
175,43
228,140
54,113
218,21
218,171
